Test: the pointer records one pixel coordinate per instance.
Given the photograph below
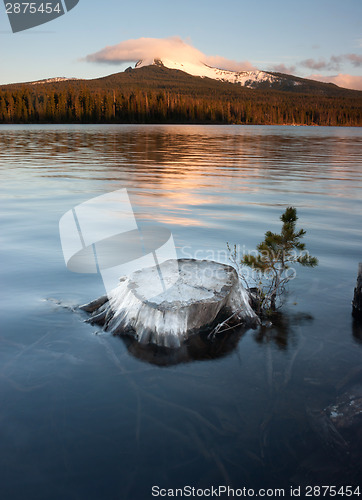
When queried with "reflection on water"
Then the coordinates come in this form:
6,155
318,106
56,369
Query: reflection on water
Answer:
86,415
197,348
357,330
280,329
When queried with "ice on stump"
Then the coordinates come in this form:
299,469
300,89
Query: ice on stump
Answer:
195,295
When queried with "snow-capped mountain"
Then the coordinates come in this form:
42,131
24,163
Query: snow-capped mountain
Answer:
251,79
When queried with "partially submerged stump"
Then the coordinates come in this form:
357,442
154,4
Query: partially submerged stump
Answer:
357,298
197,294
339,422
346,412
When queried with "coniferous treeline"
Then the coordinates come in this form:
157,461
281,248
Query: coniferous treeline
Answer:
79,104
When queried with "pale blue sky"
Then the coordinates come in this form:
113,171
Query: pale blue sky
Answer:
301,35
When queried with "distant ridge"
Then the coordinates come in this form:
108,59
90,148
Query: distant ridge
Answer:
52,80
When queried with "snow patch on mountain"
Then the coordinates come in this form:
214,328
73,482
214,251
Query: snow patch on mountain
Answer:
245,78
53,80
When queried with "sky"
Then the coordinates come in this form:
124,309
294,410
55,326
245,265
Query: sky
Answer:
316,39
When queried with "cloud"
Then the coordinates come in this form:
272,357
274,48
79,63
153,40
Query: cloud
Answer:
334,62
322,64
174,48
355,59
342,80
282,68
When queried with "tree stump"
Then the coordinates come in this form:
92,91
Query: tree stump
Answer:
196,295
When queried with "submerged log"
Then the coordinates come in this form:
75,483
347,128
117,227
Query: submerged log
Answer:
357,298
195,295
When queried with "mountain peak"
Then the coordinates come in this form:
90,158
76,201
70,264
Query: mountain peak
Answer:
148,62
251,79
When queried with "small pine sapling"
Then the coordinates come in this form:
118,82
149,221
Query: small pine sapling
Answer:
275,256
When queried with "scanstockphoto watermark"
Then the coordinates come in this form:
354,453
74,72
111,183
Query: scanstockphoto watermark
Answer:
235,256
26,15
220,492
102,235
244,492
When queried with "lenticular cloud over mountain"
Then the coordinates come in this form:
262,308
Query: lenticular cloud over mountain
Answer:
174,48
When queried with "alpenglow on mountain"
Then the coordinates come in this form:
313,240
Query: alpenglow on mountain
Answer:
250,79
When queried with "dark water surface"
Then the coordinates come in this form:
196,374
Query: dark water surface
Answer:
87,416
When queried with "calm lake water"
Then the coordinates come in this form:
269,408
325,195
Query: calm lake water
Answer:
85,415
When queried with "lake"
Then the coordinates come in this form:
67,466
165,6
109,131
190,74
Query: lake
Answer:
85,415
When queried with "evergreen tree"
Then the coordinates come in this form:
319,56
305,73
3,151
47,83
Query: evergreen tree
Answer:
276,255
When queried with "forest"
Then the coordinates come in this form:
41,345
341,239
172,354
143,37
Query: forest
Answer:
123,98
